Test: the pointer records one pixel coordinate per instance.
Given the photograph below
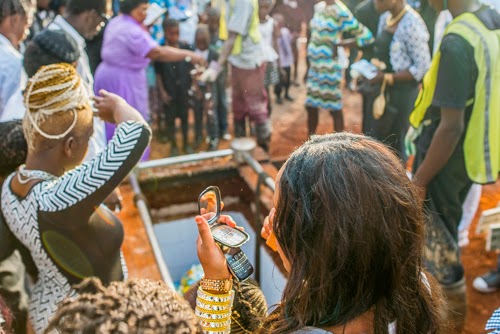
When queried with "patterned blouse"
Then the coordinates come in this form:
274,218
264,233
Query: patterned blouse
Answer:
68,233
493,323
410,45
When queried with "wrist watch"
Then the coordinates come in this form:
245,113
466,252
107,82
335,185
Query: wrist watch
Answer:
220,286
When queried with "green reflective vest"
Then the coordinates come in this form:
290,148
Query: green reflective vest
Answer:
253,31
482,138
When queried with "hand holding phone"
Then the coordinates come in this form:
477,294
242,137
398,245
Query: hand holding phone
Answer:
223,232
210,204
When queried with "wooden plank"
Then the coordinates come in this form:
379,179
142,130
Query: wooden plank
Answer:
136,247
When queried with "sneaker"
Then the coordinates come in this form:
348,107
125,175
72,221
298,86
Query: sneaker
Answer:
213,145
487,283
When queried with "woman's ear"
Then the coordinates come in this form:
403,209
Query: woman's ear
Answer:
69,147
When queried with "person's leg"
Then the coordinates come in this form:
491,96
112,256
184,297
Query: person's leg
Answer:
312,119
278,88
183,115
170,114
288,72
269,107
308,63
445,196
295,50
489,282
255,101
338,120
213,120
161,119
198,122
263,133
239,81
221,109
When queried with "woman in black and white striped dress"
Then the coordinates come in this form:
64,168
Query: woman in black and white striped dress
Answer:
52,205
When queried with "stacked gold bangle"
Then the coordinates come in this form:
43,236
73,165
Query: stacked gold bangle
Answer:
214,311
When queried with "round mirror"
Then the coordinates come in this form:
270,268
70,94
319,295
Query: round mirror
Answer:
209,204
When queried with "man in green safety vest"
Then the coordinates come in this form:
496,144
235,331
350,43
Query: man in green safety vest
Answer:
243,50
458,119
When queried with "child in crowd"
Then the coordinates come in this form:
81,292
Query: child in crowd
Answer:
174,82
219,92
286,59
202,42
269,33
213,22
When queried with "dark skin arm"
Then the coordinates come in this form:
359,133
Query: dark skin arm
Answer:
227,48
403,76
347,43
442,146
171,54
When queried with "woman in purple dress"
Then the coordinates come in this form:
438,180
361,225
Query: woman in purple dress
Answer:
126,52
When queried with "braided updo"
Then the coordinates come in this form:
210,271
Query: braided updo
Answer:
132,307
54,98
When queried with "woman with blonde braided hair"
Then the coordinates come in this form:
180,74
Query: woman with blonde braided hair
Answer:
52,204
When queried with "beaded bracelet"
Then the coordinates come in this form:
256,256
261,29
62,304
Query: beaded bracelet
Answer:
214,311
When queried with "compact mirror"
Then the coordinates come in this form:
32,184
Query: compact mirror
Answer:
209,202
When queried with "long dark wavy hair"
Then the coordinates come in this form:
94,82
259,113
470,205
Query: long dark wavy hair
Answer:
352,225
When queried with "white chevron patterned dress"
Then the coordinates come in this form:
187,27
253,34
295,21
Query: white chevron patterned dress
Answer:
69,235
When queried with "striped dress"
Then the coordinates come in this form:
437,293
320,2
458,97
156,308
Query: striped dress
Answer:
325,73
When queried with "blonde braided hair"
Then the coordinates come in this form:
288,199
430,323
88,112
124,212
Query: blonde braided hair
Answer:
53,89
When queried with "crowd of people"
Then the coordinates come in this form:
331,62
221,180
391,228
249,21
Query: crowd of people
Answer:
84,85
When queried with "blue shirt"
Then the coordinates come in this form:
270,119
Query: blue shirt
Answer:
12,76
157,29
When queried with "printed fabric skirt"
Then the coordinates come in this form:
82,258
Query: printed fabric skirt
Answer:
272,74
323,82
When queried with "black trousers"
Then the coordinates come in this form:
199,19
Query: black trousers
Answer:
445,196
170,113
284,83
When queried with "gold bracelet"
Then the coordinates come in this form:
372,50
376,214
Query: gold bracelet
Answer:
210,325
214,311
216,285
220,299
212,306
217,317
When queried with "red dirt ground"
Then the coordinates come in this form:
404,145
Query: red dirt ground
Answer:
290,131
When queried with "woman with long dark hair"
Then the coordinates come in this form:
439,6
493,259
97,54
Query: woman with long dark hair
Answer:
349,227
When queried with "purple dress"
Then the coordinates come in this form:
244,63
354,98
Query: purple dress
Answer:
123,67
